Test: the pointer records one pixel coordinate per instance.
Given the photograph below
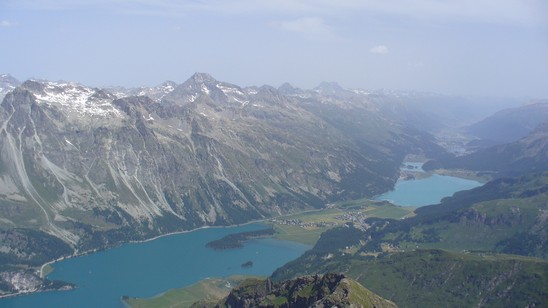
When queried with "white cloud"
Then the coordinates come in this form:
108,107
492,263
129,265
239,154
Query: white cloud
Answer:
6,23
379,49
487,11
528,12
309,27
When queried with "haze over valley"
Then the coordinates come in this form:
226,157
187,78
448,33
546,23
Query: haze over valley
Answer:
288,154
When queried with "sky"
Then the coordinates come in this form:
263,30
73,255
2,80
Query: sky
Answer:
458,47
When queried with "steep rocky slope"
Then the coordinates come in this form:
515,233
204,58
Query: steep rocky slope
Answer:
7,84
328,290
511,124
528,154
94,169
401,260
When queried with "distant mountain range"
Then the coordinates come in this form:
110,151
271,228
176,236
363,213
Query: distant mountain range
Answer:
84,168
528,154
7,84
97,167
510,124
482,247
403,260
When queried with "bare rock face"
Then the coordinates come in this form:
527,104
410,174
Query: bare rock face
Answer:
7,84
329,290
94,168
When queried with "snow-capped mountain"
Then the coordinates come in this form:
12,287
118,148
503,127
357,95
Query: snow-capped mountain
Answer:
93,165
155,93
7,83
74,99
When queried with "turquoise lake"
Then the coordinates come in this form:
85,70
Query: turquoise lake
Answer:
149,268
426,191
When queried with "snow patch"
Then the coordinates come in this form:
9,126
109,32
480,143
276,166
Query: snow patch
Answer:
66,140
78,99
243,103
229,90
205,89
361,91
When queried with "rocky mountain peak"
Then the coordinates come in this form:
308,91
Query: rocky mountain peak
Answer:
33,85
73,98
7,83
332,89
329,86
329,290
156,93
286,86
204,78
194,87
208,153
288,89
205,86
8,80
168,84
16,99
270,94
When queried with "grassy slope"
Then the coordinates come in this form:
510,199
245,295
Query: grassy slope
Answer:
302,290
422,278
310,234
359,294
507,215
434,278
483,227
212,289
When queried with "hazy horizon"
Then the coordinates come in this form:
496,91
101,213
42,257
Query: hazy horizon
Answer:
471,48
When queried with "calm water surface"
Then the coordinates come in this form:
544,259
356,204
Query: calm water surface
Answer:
147,269
426,191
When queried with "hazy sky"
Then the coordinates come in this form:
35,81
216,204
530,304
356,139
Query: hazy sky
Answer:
469,47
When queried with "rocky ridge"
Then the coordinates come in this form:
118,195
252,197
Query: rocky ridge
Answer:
329,290
528,154
7,84
510,125
94,168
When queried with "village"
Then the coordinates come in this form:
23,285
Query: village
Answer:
357,218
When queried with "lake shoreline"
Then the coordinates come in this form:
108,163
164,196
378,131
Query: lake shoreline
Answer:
85,253
411,172
88,252
79,254
426,191
40,271
174,262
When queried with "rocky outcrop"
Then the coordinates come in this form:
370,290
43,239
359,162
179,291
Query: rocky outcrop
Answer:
94,169
25,281
327,290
